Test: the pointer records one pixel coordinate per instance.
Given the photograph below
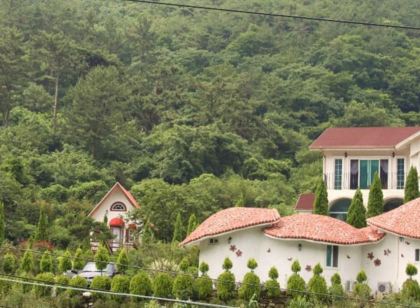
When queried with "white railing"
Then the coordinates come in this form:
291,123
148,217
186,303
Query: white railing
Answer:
346,181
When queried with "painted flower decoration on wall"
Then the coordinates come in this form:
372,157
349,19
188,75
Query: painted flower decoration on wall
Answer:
239,253
387,252
377,262
370,256
232,247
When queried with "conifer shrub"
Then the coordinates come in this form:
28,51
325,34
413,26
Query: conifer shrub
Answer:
61,280
178,229
78,282
203,285
296,284
272,286
411,190
141,284
192,224
101,257
410,289
299,302
361,289
122,261
27,262
226,284
183,286
321,199
317,284
376,198
48,278
9,263
64,262
250,287
78,261
357,211
336,290
162,285
101,283
120,284
46,264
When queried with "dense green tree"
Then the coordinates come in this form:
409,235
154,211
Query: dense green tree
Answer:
178,226
141,284
9,263
46,263
120,284
78,261
41,232
64,262
192,224
101,257
27,264
356,215
411,189
317,284
376,198
321,199
122,261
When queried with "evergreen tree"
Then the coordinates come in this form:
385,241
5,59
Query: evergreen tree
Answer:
64,262
192,224
27,262
317,284
78,261
147,233
177,235
42,227
101,257
376,198
357,212
2,223
122,261
9,263
411,190
321,199
46,264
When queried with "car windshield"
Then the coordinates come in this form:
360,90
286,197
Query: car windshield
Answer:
91,267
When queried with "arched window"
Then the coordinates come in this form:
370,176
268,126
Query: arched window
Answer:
118,207
339,208
392,203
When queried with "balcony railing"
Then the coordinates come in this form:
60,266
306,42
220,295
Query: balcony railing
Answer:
348,181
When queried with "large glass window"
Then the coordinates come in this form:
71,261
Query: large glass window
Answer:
363,171
340,208
417,255
384,173
338,173
332,256
368,168
354,174
400,173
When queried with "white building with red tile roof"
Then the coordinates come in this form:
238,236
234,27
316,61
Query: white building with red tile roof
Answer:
351,157
383,249
114,208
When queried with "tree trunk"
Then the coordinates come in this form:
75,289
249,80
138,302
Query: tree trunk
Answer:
55,106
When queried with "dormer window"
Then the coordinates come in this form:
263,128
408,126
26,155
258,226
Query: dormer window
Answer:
118,207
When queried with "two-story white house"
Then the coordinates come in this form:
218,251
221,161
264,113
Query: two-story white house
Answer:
351,157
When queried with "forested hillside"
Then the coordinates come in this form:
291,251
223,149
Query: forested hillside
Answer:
191,110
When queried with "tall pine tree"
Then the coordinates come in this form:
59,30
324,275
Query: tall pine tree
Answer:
192,224
357,212
41,232
177,235
376,198
411,190
2,224
321,199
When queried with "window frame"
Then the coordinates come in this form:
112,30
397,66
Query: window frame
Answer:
332,256
118,203
338,177
398,158
417,255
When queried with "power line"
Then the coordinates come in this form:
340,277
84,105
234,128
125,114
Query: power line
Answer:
300,17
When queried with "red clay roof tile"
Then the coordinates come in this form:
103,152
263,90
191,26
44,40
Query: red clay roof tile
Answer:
403,221
305,202
324,229
232,219
362,137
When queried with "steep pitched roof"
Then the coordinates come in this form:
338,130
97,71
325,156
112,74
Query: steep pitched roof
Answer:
305,202
126,193
232,219
403,221
362,137
319,228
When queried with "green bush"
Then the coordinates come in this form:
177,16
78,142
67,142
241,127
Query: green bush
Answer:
46,264
361,277
27,262
299,302
61,280
317,285
9,263
41,290
183,286
101,283
250,287
296,267
78,261
361,290
202,287
64,262
122,261
336,290
141,284
296,284
411,270
225,286
79,282
272,286
101,257
120,284
162,285
204,268
227,264
183,266
410,290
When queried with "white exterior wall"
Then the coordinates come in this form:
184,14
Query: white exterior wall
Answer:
115,196
275,252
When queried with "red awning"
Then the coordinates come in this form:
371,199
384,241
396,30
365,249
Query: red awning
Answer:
116,222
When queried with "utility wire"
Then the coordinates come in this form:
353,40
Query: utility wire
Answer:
300,17
215,281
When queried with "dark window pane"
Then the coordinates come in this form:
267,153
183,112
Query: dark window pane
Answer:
354,174
335,256
364,170
400,173
338,173
417,255
329,253
384,173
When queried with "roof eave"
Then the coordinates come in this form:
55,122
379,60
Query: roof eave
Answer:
322,242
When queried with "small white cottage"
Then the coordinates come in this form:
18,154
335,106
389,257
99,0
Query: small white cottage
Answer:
383,249
114,209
